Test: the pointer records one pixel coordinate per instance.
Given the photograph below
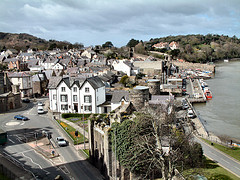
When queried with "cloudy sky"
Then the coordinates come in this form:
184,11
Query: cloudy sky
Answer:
93,22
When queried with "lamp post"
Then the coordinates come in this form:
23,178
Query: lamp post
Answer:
83,127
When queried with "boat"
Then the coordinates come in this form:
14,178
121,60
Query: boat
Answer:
208,94
226,60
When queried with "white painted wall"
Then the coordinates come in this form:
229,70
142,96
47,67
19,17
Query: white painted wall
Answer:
93,95
68,93
120,66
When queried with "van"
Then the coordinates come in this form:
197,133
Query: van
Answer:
40,110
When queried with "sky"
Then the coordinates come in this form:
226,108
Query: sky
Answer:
93,22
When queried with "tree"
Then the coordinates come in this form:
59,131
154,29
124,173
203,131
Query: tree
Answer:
107,44
124,80
140,143
132,43
139,48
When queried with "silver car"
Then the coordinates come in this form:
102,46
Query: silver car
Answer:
61,141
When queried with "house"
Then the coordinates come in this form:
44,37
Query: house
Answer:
23,79
161,45
89,53
58,66
39,84
48,63
122,65
119,98
76,94
174,45
17,64
10,97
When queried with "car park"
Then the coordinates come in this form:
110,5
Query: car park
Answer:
20,117
61,141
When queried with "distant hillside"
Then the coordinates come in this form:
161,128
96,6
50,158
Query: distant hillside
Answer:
24,41
200,48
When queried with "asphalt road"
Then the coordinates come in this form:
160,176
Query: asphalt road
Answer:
222,159
69,164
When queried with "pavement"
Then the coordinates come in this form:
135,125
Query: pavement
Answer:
45,147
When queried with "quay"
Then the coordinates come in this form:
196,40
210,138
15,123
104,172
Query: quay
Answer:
195,92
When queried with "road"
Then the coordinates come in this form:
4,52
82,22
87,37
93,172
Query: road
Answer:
222,159
69,164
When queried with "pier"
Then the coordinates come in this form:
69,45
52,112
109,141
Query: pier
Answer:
196,94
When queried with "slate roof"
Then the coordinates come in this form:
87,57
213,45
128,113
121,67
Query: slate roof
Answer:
95,82
118,95
54,81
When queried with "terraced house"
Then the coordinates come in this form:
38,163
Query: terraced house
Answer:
76,95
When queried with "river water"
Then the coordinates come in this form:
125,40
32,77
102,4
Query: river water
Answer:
221,115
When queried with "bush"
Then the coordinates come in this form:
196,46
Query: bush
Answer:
68,115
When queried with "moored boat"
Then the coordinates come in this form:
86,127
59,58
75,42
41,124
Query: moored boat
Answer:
208,94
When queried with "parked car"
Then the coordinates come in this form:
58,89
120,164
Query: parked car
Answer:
40,110
61,141
26,100
191,114
20,117
40,103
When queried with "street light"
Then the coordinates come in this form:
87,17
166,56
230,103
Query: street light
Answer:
83,127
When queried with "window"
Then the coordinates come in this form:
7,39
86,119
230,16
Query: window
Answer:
63,98
87,108
87,99
75,89
64,107
63,89
86,89
54,97
74,98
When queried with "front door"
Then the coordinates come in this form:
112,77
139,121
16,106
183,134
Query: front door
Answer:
75,107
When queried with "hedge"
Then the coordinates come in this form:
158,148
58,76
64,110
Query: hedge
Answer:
67,115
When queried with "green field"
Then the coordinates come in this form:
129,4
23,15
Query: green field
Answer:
211,171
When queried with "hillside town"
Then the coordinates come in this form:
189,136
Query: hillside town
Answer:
85,82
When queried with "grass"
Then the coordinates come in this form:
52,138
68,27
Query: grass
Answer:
211,171
233,152
71,131
86,151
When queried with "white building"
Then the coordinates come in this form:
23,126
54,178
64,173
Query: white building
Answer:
122,65
76,95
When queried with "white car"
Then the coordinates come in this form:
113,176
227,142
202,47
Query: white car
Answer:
40,110
191,114
61,141
40,103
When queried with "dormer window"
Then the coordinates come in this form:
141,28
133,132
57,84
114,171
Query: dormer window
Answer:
75,89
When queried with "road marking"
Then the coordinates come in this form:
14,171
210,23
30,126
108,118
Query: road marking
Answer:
11,140
25,151
225,160
237,168
35,163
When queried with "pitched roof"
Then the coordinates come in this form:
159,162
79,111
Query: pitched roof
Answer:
54,81
95,82
118,95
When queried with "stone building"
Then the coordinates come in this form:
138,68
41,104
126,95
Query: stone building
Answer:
39,84
10,97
